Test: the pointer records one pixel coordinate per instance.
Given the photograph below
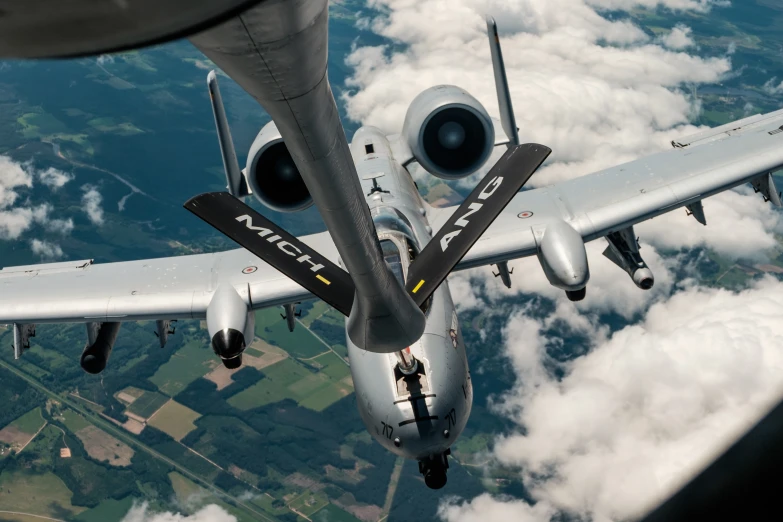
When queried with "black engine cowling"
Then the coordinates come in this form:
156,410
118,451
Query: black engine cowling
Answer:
100,341
448,132
272,174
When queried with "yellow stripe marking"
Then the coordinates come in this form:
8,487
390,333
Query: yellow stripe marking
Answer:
322,278
416,289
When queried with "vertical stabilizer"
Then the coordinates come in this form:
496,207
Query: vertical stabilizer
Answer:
501,85
237,186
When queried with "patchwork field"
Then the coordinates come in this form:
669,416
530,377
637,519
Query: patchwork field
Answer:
299,343
318,309
74,421
291,380
189,363
147,404
267,317
175,419
129,394
309,502
103,447
41,494
19,432
332,513
253,356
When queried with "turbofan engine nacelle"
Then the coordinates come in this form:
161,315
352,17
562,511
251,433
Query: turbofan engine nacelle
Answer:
231,325
100,341
272,175
448,132
562,254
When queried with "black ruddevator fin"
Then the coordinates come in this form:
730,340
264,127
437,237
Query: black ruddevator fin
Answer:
277,247
472,218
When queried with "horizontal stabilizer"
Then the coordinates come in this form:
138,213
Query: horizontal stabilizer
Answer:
277,247
472,218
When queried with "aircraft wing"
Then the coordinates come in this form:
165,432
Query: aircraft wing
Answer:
166,288
607,201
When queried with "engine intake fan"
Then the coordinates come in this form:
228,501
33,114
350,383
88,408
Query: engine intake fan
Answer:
448,132
272,174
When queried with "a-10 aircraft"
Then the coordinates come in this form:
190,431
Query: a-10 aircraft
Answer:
384,261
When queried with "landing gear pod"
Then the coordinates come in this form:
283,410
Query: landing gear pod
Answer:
100,341
561,252
230,323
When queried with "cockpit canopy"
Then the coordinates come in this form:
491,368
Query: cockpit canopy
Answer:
398,242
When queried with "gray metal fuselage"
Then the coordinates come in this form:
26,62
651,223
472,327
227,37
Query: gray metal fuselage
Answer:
420,416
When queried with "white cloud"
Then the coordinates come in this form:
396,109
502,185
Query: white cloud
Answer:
14,222
53,178
60,226
104,59
597,91
772,88
484,508
91,204
645,409
46,249
732,49
210,513
12,175
678,38
679,5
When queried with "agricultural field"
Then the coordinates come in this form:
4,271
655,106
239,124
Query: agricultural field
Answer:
332,513
129,394
41,494
309,502
104,448
272,388
332,366
30,422
107,511
267,317
74,421
290,380
189,363
54,360
175,419
300,343
19,433
147,404
319,308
